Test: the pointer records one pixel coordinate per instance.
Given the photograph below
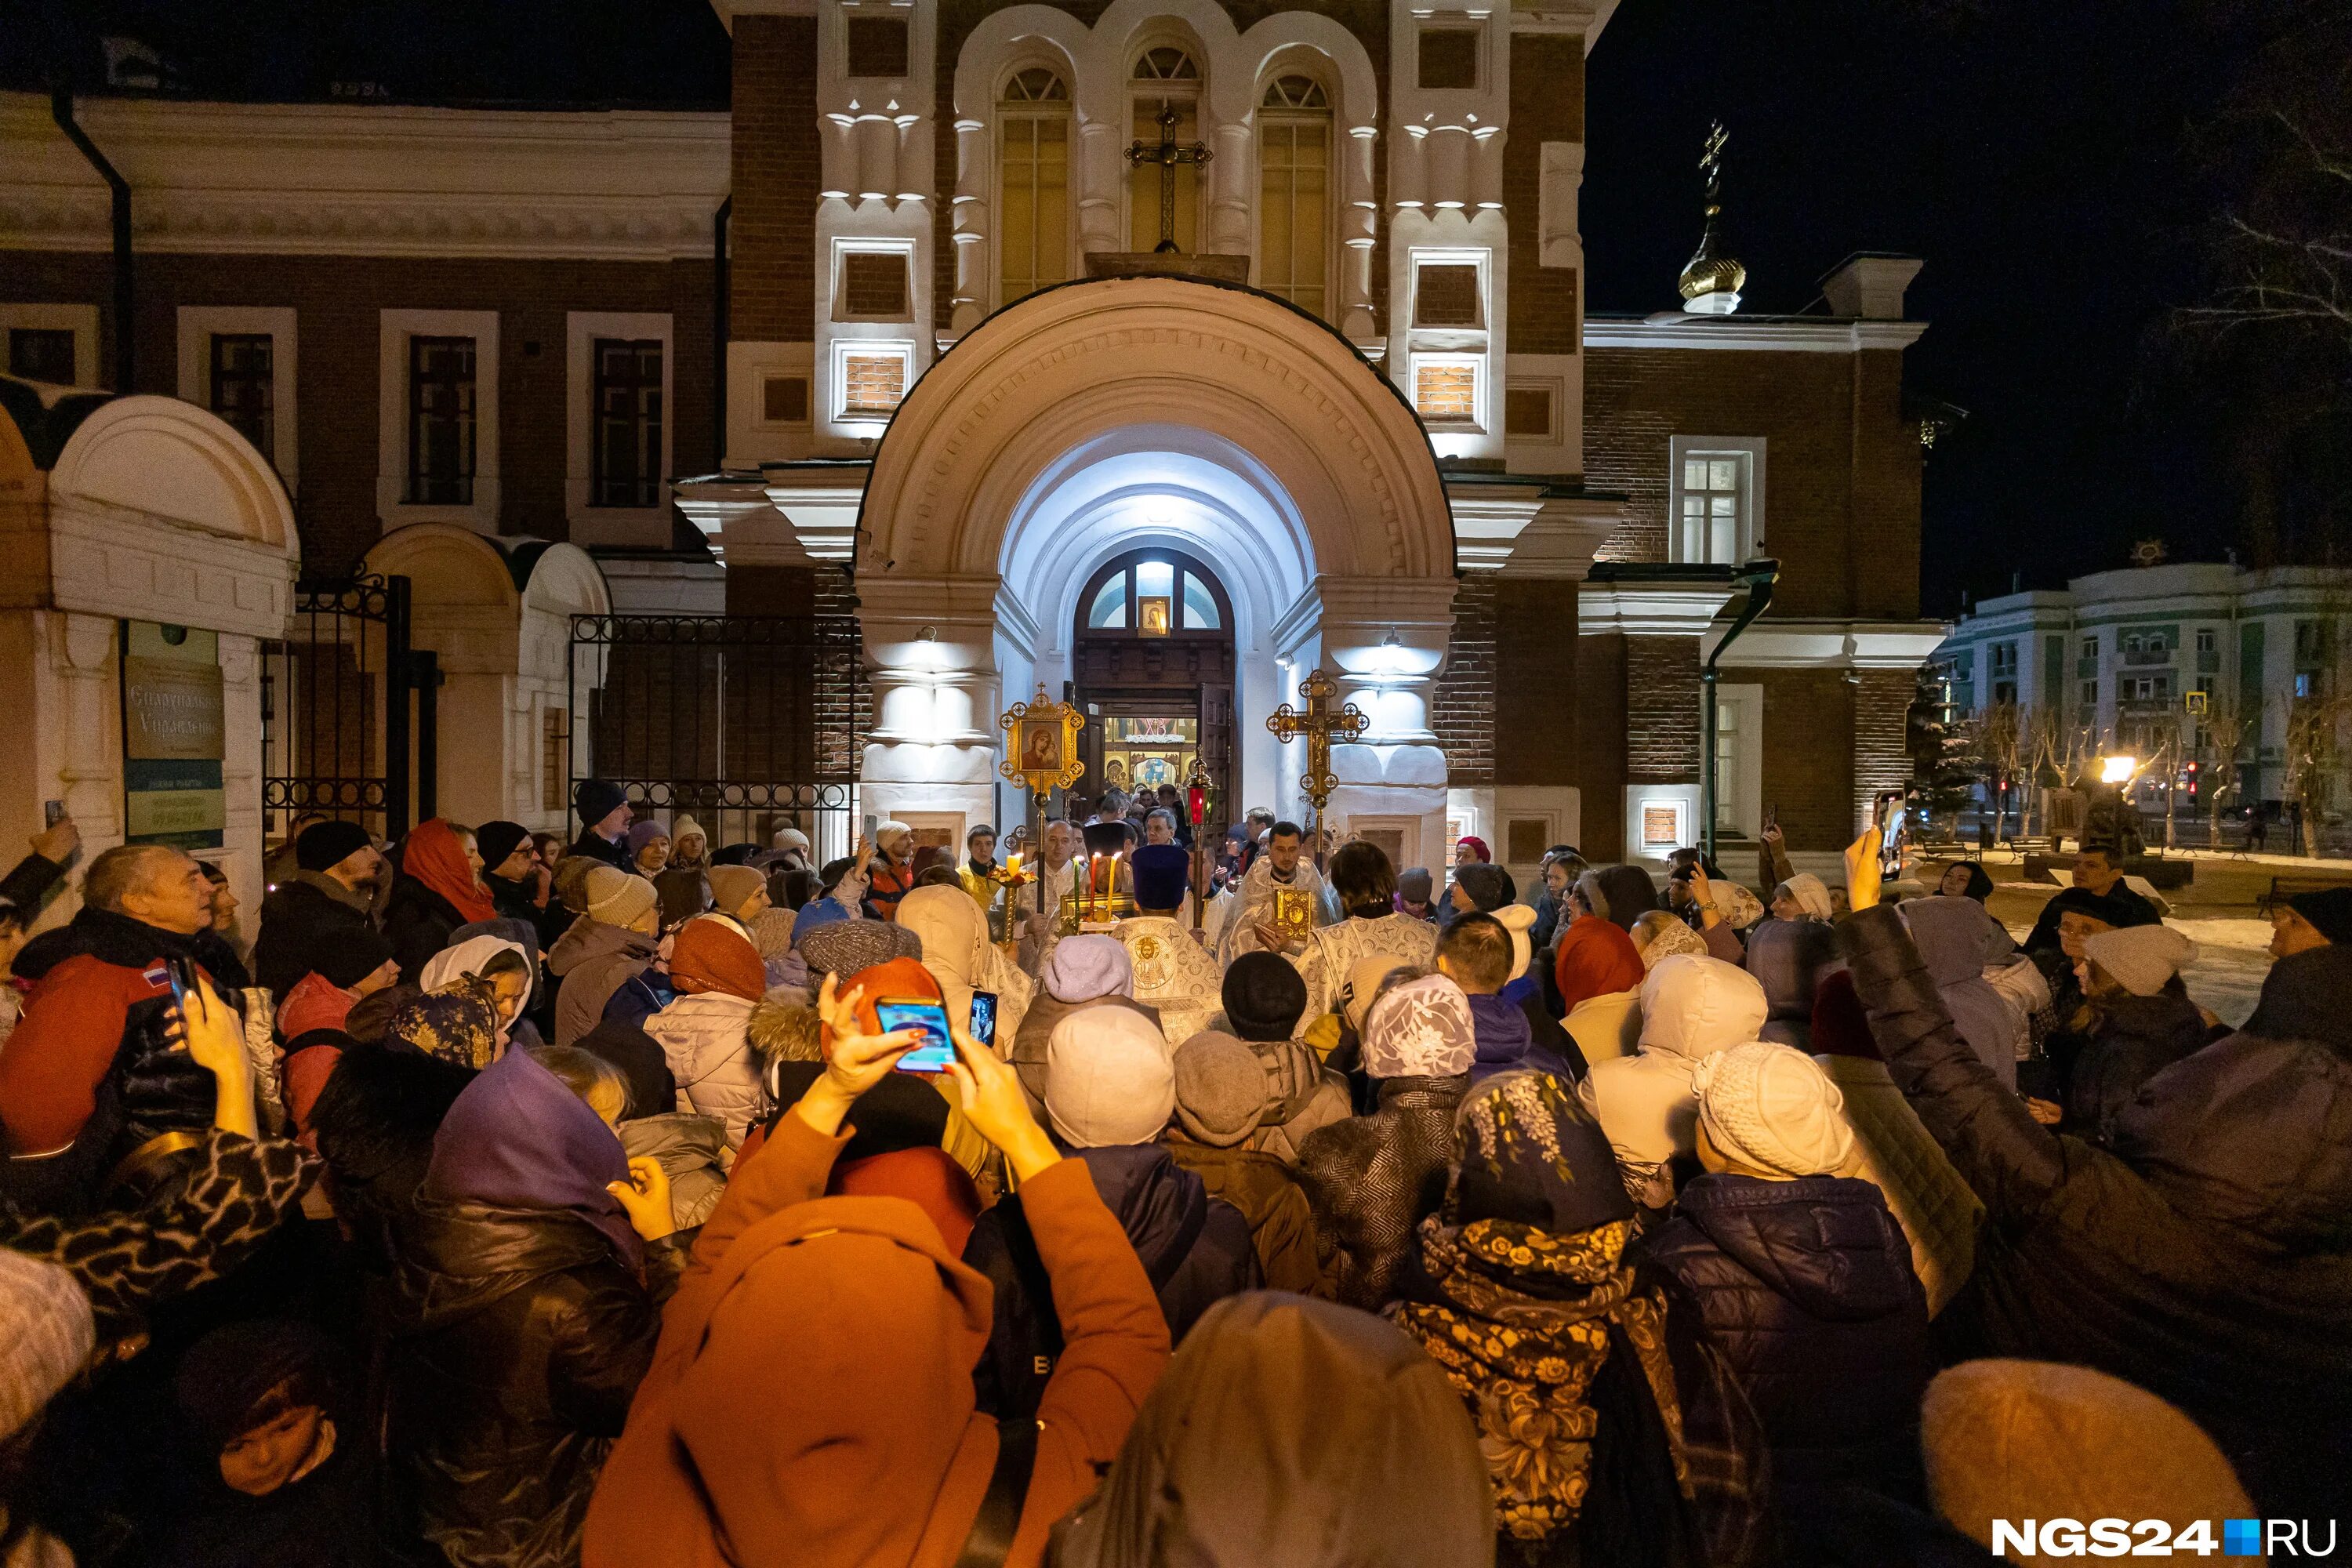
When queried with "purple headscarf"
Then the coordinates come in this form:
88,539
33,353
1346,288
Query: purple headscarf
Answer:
518,1138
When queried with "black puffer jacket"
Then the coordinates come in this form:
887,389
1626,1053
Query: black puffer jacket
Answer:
2130,1040
1196,1249
301,924
2207,1257
418,923
1806,1288
519,1337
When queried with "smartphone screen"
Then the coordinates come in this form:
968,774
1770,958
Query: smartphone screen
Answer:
1891,818
937,1049
983,1017
183,980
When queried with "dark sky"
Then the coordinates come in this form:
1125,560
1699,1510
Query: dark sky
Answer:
2031,151
2028,153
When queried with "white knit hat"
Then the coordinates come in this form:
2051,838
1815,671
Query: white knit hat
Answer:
1518,920
1812,895
1772,1109
2142,959
1110,1079
48,1340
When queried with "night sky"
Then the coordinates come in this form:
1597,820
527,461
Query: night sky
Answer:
2042,159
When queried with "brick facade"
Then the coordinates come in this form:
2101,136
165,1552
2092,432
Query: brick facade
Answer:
1462,708
1546,105
777,171
1536,675
338,300
1661,710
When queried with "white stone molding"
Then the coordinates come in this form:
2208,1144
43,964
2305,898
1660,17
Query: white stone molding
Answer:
1526,529
393,329
1649,609
1782,334
1005,42
196,325
591,524
1559,177
81,321
353,180
1773,643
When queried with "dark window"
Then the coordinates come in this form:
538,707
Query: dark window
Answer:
42,353
242,392
874,285
440,421
1446,295
1527,411
1449,56
878,46
628,422
785,399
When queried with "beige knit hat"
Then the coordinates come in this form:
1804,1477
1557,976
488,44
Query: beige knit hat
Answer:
1518,920
1772,1109
733,886
617,898
2143,959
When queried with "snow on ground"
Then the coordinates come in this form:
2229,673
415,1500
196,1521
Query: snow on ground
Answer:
2232,956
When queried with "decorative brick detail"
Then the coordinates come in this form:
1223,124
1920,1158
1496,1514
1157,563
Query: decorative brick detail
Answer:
1661,710
1546,105
1461,706
1446,393
873,384
777,171
1842,486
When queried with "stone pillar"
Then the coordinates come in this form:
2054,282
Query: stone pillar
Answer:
930,660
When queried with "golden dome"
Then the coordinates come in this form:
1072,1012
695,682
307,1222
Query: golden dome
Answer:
1712,275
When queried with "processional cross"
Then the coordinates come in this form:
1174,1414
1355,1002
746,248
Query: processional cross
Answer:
1169,156
1320,725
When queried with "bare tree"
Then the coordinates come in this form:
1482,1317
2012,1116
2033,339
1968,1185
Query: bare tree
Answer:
2315,756
2227,722
1996,737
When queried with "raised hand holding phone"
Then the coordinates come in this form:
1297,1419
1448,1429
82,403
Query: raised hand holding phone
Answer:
1862,878
213,1034
854,1061
989,1093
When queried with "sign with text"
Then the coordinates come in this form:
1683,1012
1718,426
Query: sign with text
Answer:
172,737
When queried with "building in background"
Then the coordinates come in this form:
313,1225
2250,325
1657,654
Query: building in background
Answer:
893,332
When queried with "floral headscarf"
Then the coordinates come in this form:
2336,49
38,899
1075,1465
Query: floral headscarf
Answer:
458,1024
1529,1286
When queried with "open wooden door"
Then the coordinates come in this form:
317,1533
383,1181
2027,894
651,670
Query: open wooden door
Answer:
1217,755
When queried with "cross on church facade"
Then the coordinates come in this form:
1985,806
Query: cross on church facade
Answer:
1320,725
1170,157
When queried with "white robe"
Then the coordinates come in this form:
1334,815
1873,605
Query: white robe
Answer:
1333,953
1256,904
1045,893
1173,973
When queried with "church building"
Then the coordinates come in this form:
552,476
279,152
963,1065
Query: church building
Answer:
1152,354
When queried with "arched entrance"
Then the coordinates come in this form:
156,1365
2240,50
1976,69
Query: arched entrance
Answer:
1152,650
1101,419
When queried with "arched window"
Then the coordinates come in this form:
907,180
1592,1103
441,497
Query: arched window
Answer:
1154,593
1293,192
1164,79
1032,167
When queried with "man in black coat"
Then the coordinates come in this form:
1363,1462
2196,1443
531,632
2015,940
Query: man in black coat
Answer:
2205,1254
602,808
2097,875
324,910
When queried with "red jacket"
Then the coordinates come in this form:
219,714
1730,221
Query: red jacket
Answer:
74,1023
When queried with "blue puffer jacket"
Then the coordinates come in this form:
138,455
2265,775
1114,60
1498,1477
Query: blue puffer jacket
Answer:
1806,1289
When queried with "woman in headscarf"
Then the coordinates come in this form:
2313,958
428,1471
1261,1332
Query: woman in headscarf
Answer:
706,1031
1618,894
440,889
1598,973
1660,935
647,846
496,966
1370,1179
956,950
1295,1432
527,1308
1527,1294
460,1024
1953,939
1803,897
1789,959
1089,970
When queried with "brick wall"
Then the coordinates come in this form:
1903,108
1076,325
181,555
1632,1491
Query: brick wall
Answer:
1535,684
1808,753
1546,105
777,172
1661,710
1882,754
1462,708
337,301
1600,702
1842,475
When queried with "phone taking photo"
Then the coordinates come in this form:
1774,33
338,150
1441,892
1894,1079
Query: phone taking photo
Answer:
182,973
984,1017
1890,817
928,1018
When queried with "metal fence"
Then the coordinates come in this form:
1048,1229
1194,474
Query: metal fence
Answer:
749,723
338,738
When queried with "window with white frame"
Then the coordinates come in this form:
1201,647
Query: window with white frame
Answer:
1166,81
438,445
239,361
1032,173
618,425
1294,141
1717,501
51,342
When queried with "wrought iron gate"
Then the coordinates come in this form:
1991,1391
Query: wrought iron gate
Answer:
749,721
339,737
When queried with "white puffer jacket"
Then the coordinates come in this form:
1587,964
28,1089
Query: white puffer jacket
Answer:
1692,1007
1894,1152
705,1038
1606,1026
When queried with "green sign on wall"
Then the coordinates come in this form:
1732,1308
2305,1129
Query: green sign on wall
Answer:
172,737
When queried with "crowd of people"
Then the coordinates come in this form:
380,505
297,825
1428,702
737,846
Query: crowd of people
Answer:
1127,1197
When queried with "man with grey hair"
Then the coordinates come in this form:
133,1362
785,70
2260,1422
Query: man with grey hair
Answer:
90,1078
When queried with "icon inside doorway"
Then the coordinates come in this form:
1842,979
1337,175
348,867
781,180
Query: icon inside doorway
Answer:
1153,616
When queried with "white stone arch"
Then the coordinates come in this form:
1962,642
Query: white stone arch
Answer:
1058,383
1004,42
154,510
498,616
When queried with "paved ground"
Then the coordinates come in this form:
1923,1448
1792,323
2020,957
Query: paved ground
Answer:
2217,911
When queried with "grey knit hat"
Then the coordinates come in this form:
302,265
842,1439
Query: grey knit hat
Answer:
844,947
50,1339
1220,1088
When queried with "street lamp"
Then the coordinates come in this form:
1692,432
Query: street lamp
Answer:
2118,769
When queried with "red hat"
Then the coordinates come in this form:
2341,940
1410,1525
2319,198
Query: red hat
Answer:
1477,847
717,956
900,980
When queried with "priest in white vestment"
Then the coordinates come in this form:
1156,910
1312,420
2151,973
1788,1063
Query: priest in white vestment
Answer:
1364,885
1250,925
1173,973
